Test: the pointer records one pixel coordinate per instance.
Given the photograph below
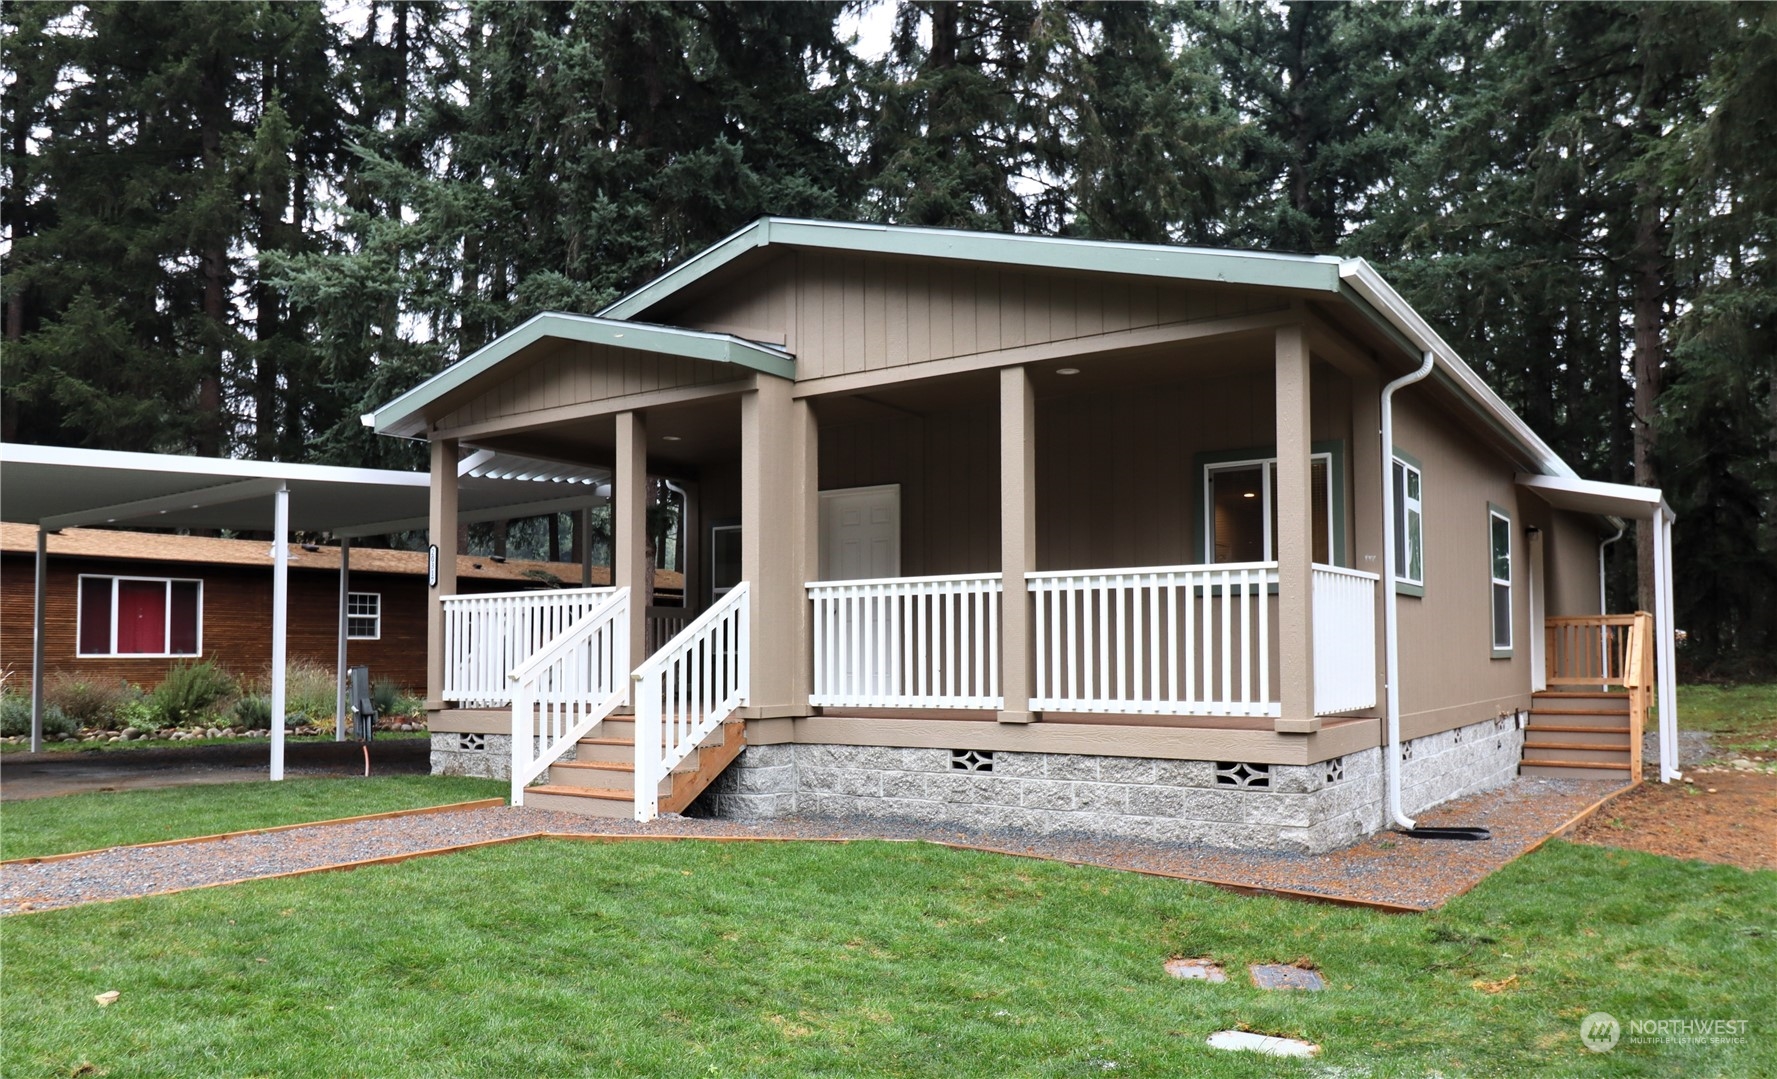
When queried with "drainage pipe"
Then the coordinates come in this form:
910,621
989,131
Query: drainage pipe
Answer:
1604,607
1390,615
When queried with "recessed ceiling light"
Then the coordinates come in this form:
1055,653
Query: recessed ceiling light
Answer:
670,438
1067,370
1249,494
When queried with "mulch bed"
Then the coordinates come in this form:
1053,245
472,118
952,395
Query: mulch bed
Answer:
1386,870
1715,815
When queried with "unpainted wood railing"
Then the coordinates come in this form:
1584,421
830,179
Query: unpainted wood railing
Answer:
1604,651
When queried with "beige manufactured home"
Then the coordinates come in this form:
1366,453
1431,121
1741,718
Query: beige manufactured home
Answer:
1048,534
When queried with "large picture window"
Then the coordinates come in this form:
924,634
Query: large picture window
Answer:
364,616
1499,539
1241,509
1409,526
140,616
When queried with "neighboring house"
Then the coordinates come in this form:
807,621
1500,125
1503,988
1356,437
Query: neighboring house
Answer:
127,605
1054,534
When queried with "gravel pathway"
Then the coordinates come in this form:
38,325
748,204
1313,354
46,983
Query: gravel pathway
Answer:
1385,869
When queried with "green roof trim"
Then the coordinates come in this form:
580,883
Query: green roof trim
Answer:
1310,273
402,416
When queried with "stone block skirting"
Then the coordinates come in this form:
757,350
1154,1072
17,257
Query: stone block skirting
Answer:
1307,808
481,756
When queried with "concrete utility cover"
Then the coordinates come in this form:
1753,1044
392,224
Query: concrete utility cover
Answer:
1262,1043
1285,976
1195,969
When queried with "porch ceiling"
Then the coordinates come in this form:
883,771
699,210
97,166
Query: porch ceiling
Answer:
681,438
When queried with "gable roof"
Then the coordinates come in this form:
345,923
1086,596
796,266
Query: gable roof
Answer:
97,543
404,415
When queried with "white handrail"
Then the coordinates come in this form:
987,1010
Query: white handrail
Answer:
569,687
908,642
1344,639
1171,640
486,635
684,691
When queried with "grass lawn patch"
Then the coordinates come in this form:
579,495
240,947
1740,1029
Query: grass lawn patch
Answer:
1740,719
564,958
74,822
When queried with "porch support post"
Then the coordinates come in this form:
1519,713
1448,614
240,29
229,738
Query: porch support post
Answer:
1368,535
1018,539
441,530
280,623
629,527
584,524
805,449
771,531
1295,536
339,676
37,618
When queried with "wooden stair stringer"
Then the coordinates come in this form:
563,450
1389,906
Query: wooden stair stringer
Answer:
713,757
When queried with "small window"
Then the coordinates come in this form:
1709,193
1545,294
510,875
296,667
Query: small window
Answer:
1242,510
139,616
364,616
1499,528
1409,528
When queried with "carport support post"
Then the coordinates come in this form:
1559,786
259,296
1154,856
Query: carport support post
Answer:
629,531
280,610
1295,536
1018,537
339,678
441,527
37,640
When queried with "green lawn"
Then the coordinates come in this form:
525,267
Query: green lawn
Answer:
558,958
1741,719
74,822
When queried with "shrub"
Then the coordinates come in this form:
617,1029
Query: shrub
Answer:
87,703
385,697
15,717
190,692
311,692
140,715
253,712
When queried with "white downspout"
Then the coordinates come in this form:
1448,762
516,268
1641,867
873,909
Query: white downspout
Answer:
1390,628
1603,606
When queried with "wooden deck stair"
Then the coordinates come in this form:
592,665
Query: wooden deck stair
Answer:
600,781
1581,734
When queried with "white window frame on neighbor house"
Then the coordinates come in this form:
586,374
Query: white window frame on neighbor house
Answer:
1497,515
111,651
356,614
1328,454
1409,523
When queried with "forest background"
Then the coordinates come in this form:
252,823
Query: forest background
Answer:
231,228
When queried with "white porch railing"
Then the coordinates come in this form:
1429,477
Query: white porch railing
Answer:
1344,639
684,691
1174,640
567,688
907,642
487,636
663,624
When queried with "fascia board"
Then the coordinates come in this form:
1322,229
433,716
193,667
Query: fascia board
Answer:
1378,295
702,264
402,416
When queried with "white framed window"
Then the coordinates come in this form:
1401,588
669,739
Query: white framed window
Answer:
364,616
1240,508
1499,542
139,616
1409,525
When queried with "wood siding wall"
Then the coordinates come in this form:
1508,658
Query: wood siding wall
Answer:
236,620
575,373
841,313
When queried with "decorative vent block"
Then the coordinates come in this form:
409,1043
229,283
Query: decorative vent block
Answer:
472,743
1456,736
1243,775
1335,770
971,760
1406,751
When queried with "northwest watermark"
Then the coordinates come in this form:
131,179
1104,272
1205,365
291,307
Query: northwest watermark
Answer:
1601,1032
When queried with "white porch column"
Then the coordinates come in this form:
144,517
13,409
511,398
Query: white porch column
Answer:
1295,536
771,531
1664,645
280,622
1018,539
629,526
37,613
345,585
442,531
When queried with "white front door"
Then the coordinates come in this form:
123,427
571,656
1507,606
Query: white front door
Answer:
861,539
861,533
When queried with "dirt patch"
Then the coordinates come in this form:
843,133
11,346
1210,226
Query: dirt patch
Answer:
1721,816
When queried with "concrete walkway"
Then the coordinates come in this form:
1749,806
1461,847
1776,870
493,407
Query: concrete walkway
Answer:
72,771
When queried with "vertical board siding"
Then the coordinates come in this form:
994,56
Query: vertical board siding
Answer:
578,373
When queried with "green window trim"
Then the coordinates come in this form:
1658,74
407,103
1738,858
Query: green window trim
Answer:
1410,510
1333,450
1499,557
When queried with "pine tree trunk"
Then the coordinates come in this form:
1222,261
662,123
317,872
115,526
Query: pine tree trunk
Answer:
213,257
1649,276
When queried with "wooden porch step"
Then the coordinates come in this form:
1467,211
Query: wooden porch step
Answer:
606,787
1606,721
597,775
1573,769
1568,752
1596,736
586,801
1598,693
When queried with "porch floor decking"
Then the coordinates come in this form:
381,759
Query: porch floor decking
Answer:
1386,870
